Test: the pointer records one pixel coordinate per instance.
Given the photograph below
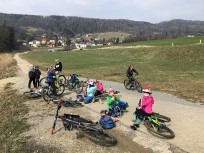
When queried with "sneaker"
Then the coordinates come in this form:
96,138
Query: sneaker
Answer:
133,127
137,125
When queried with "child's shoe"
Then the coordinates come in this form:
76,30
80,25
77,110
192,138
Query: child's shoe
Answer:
133,127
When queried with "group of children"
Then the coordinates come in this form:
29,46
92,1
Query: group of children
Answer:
34,76
95,88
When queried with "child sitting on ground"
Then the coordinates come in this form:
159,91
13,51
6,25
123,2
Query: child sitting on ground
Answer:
145,108
90,92
112,100
99,90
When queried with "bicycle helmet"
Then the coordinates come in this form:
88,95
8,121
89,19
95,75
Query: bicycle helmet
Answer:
80,98
111,90
57,60
147,89
91,82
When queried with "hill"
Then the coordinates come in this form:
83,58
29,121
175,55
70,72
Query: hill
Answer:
69,26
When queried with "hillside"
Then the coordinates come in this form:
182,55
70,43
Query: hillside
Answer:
69,26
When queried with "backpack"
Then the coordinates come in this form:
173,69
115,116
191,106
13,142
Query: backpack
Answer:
106,122
73,78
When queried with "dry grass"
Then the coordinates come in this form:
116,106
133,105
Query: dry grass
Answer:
7,66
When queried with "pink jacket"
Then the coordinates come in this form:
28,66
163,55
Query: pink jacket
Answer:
147,102
100,87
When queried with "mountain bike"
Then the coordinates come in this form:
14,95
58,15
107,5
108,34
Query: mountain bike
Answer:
155,124
85,127
61,79
34,93
76,86
133,85
65,102
48,91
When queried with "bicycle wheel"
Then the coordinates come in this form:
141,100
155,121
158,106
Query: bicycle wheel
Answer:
31,94
161,130
46,93
98,136
60,90
43,82
138,86
127,84
62,79
162,118
79,87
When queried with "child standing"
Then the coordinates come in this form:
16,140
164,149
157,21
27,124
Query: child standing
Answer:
31,75
37,76
145,108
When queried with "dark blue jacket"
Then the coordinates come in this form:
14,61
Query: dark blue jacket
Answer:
50,76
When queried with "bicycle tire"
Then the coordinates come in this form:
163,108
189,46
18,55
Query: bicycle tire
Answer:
31,94
161,130
72,104
43,82
60,90
161,118
125,84
79,87
139,87
45,93
99,137
62,79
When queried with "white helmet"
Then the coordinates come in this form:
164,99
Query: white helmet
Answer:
91,82
147,89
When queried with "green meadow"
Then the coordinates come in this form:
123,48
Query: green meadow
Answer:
178,70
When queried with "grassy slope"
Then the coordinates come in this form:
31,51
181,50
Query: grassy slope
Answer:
178,70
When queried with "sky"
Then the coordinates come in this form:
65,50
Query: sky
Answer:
153,11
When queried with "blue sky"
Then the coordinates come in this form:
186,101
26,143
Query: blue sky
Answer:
153,11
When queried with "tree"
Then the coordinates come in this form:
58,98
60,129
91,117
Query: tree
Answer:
7,38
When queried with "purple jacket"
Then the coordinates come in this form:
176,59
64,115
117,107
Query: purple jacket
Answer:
147,102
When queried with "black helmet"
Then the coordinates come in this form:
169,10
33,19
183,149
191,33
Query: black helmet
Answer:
80,98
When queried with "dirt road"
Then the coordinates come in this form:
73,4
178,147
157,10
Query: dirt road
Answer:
187,122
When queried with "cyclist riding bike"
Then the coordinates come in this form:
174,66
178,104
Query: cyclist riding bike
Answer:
58,66
130,72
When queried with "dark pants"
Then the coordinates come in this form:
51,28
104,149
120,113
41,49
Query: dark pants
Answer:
30,81
52,84
37,82
141,114
97,93
131,79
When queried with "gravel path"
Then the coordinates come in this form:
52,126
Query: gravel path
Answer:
187,122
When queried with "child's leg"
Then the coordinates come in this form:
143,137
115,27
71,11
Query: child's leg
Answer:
29,83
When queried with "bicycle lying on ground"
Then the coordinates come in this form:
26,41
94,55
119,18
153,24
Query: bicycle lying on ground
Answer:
155,124
133,85
34,93
85,128
65,102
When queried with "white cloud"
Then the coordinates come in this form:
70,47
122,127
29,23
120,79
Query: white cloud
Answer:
145,10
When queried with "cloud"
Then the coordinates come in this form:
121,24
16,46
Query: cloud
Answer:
145,10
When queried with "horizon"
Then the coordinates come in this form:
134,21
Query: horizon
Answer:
98,18
147,11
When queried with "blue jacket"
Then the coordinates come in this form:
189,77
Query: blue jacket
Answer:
50,77
91,91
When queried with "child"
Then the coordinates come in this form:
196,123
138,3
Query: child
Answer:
99,90
145,109
90,92
112,100
51,79
31,75
37,76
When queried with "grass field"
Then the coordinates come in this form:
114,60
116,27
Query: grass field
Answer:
8,66
178,70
